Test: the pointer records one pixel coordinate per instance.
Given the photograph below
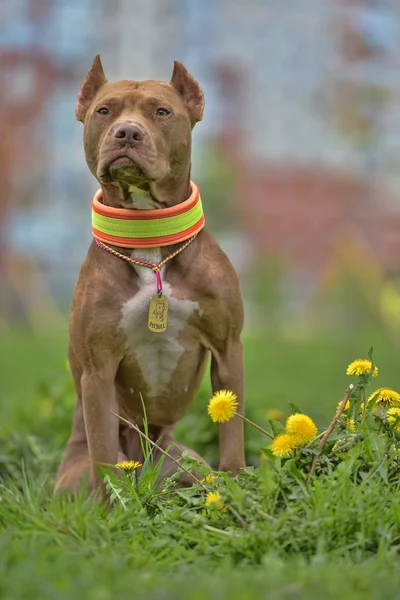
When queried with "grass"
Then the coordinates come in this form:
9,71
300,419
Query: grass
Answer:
339,537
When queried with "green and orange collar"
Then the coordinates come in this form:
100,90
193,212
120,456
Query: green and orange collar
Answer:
130,228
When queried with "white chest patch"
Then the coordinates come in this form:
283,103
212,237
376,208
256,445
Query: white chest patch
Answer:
157,354
141,200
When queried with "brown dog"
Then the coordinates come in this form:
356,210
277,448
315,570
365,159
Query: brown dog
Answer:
137,139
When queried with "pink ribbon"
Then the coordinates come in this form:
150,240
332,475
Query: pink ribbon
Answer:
159,282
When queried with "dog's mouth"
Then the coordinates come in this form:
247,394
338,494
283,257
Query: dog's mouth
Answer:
122,168
121,161
130,166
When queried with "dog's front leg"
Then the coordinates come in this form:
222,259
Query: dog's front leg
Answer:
99,402
227,373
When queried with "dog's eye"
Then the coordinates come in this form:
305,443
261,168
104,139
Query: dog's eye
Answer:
162,112
103,110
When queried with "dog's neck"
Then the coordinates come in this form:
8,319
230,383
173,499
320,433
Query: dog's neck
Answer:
148,196
141,199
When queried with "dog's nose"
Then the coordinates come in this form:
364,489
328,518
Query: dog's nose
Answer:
129,133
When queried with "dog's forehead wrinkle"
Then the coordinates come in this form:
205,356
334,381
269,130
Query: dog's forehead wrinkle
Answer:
134,97
159,90
153,84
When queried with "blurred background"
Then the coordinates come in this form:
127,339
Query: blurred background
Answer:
297,159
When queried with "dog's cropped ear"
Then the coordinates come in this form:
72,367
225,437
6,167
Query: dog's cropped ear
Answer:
93,81
190,91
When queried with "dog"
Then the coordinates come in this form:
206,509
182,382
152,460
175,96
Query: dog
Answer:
123,348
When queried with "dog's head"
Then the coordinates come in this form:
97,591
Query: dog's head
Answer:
138,132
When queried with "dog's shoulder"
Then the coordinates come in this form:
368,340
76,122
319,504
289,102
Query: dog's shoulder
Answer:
213,268
218,286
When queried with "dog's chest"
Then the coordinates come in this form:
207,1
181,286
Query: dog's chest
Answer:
157,354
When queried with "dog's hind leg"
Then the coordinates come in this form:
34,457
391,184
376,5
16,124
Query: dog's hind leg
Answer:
169,467
76,461
131,448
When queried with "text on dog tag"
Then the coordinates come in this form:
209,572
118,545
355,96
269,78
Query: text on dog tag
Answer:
158,313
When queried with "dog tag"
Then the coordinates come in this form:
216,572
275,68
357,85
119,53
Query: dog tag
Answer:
158,313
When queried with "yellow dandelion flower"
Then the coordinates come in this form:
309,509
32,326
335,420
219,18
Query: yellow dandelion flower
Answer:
222,406
209,478
128,465
351,426
214,499
301,427
385,397
392,415
275,415
345,408
361,366
283,445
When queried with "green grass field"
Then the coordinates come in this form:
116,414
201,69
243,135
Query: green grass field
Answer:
336,538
